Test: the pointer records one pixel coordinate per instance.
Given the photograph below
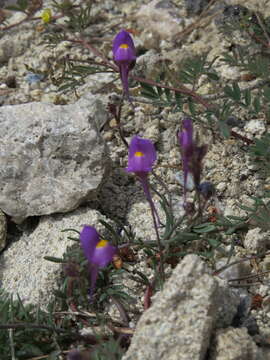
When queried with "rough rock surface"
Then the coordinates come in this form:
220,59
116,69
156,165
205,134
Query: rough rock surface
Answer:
160,20
256,240
179,323
52,157
235,344
16,42
23,269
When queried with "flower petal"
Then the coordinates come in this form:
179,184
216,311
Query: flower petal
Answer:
89,238
103,255
186,135
142,155
123,37
124,55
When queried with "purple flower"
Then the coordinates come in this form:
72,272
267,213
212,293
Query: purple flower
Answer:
98,252
192,154
141,156
186,135
124,56
186,143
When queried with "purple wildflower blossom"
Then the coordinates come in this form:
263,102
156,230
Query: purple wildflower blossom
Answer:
186,143
124,56
98,252
141,158
192,154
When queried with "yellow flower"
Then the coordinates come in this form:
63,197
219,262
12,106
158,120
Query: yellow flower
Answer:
46,16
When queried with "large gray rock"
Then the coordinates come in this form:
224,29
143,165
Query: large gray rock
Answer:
23,269
183,316
52,157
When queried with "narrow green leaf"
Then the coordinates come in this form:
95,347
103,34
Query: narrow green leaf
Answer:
168,94
213,242
247,96
70,229
144,277
103,297
224,129
246,208
159,91
266,93
229,59
191,106
256,104
212,76
228,91
237,91
54,259
233,92
148,91
204,228
73,239
178,99
22,308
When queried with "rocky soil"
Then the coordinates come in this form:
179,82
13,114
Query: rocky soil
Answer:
62,165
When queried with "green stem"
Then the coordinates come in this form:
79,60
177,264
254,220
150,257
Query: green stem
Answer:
155,217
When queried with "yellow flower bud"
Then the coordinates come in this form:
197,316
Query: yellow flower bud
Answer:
46,16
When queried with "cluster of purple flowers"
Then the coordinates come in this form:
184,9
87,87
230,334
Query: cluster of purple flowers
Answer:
98,252
141,158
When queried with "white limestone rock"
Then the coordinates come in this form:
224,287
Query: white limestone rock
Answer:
52,157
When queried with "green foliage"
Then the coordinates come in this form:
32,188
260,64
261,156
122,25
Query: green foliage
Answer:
190,73
65,6
110,349
193,68
260,153
161,97
72,73
34,331
258,214
80,19
258,65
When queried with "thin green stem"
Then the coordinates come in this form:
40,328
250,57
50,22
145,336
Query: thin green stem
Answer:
155,217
